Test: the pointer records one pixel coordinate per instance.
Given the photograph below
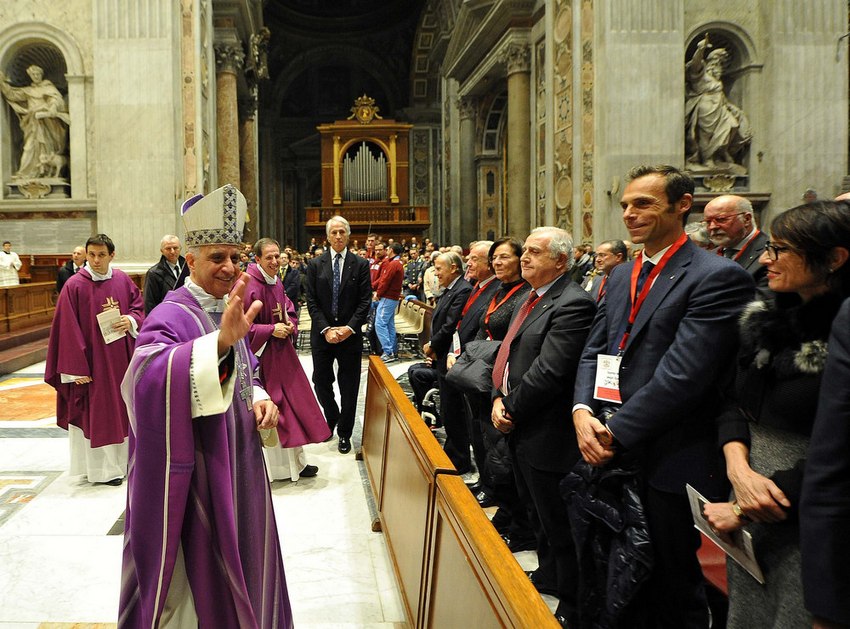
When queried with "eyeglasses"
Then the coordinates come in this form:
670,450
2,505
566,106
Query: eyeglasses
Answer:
723,219
773,251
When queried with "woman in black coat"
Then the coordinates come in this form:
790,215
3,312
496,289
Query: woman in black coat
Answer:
765,431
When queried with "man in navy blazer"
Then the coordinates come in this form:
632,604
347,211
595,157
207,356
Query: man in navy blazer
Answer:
531,403
460,429
336,336
449,271
673,361
824,506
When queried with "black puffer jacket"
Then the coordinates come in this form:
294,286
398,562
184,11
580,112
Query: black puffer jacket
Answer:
612,541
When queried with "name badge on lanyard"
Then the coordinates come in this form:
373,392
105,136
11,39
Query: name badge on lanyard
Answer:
456,344
607,386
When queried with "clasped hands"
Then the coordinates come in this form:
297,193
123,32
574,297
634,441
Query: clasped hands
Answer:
757,499
337,334
502,420
595,440
282,330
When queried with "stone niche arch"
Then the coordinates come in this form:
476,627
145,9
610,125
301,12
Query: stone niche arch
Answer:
27,43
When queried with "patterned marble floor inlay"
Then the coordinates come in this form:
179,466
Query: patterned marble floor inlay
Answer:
26,399
19,488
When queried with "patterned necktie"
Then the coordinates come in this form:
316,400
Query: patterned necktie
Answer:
337,276
505,348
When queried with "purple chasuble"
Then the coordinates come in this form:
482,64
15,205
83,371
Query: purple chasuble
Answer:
76,348
196,482
301,419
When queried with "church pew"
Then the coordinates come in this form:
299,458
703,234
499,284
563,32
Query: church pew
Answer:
405,465
26,305
474,580
402,461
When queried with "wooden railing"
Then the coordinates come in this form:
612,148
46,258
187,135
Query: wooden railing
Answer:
452,567
26,305
378,216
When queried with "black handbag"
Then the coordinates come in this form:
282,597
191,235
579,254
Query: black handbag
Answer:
473,370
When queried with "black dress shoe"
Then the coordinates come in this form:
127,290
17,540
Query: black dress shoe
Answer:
519,544
484,499
543,588
309,471
344,445
115,482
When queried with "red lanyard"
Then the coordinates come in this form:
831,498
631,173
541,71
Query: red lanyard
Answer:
601,292
637,300
741,251
493,307
471,301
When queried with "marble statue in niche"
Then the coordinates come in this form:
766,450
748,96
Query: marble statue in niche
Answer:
44,122
717,133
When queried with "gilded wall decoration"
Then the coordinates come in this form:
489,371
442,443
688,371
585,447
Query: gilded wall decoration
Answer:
587,114
562,125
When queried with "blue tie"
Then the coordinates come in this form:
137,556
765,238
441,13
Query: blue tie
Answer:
337,275
645,270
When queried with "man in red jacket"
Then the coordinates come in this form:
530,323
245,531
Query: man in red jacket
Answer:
387,294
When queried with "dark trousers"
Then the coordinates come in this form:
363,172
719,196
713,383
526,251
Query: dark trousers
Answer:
475,406
674,595
422,378
347,357
555,549
453,415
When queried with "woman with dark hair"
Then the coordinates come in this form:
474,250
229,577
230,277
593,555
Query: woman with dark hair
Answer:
496,482
766,429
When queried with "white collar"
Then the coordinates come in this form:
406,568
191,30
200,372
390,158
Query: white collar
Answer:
342,253
97,277
205,300
270,280
656,258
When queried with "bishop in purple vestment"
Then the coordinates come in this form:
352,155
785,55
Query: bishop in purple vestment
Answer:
86,368
200,541
301,419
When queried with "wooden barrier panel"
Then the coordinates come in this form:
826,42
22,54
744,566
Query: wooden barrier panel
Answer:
411,460
26,305
474,580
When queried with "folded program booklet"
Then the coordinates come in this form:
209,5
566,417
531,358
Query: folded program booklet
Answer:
741,547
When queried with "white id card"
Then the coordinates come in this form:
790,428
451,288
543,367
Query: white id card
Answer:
607,387
456,344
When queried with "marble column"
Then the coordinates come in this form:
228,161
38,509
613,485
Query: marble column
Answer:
468,207
517,59
229,59
248,174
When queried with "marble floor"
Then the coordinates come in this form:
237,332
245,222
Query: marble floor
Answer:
61,537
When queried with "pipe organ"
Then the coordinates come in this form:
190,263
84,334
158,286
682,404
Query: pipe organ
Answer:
364,175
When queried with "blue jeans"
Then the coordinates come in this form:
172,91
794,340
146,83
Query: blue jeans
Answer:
385,324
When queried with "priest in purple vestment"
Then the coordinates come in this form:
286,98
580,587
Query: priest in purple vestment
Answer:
97,318
301,419
201,547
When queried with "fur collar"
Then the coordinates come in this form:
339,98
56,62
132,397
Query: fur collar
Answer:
787,336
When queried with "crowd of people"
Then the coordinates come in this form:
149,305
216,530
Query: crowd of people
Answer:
588,387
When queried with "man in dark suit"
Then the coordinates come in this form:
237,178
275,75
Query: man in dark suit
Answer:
338,296
290,277
732,228
824,508
460,430
167,274
448,268
78,259
651,339
533,381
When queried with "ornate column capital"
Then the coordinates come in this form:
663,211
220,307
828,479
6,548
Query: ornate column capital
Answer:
467,107
229,57
259,53
517,58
